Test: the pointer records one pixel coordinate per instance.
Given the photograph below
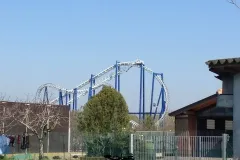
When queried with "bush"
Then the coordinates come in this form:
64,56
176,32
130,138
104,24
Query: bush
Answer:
56,157
75,156
2,157
111,144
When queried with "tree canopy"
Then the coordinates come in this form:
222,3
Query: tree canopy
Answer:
104,113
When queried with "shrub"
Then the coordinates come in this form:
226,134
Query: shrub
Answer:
2,157
56,157
75,156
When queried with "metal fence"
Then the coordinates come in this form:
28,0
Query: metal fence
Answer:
168,147
149,146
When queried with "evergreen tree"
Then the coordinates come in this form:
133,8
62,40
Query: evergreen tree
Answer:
104,123
106,112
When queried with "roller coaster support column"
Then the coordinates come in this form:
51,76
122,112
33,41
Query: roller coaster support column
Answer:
69,97
60,97
93,80
152,94
45,96
75,99
151,103
143,85
142,93
90,92
66,99
119,69
163,100
140,97
117,76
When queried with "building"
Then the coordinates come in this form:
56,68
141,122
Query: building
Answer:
228,71
203,118
58,138
217,113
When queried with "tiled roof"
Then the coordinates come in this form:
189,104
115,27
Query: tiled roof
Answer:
223,61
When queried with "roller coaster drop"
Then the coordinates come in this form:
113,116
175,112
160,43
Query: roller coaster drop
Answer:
70,97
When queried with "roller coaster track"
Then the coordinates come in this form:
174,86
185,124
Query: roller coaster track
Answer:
102,80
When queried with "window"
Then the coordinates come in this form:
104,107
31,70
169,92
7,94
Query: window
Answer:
228,125
210,124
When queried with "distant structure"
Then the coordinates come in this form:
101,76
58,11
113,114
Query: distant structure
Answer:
158,102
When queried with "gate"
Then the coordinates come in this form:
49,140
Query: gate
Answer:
163,146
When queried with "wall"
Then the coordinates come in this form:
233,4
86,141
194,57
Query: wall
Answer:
236,113
58,138
185,125
227,84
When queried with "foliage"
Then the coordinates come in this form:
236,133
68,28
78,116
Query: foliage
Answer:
76,139
134,118
56,157
108,144
149,123
104,123
104,113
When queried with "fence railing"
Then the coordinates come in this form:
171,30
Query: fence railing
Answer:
148,146
151,147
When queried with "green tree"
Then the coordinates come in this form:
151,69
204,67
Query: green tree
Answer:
149,123
104,113
105,122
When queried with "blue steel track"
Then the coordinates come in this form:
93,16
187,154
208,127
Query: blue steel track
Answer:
70,96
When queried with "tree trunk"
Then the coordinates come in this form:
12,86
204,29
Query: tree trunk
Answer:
40,149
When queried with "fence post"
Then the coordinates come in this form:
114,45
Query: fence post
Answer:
224,146
200,147
131,143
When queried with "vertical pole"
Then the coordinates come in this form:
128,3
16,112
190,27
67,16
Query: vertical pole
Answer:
119,69
69,129
116,75
66,100
131,143
143,76
26,129
140,97
163,95
45,96
48,134
151,104
60,97
75,99
155,113
69,97
224,146
76,107
93,81
90,88
163,108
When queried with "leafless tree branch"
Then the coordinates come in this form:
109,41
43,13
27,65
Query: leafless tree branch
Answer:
38,118
234,2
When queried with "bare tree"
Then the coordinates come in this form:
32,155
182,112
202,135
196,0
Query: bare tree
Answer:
150,124
6,123
39,119
234,2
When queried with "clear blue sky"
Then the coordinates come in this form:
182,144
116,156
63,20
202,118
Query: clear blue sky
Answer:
63,42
